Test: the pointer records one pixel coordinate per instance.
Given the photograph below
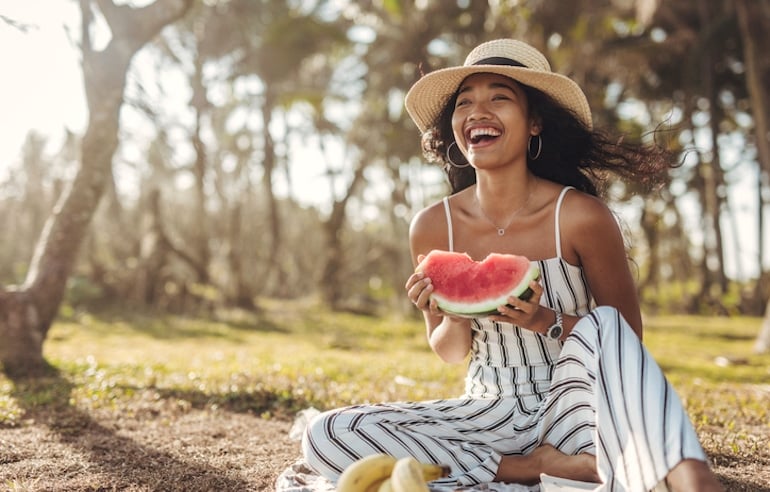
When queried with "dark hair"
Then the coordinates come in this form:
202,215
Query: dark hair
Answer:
571,153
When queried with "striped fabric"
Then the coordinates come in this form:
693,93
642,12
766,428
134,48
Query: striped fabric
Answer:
521,391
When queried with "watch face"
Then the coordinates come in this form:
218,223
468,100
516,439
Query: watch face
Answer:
554,332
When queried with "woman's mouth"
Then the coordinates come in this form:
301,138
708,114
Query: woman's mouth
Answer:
482,134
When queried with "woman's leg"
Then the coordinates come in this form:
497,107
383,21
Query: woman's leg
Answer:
642,432
470,435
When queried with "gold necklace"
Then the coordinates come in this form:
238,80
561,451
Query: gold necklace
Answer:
501,230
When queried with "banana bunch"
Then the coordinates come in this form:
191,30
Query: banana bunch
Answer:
385,473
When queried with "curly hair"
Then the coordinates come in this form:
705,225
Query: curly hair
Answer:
572,154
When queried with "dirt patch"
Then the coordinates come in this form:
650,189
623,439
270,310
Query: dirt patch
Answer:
190,450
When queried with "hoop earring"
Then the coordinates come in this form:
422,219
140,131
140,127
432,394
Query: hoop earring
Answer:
539,147
449,158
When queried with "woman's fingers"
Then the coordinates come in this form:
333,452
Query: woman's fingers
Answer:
521,312
418,289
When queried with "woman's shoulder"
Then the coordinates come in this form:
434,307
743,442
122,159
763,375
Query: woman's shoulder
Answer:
429,219
429,228
587,216
582,207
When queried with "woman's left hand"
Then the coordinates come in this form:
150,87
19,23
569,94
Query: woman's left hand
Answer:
527,314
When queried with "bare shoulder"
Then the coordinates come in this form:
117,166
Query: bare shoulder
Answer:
583,212
590,228
428,230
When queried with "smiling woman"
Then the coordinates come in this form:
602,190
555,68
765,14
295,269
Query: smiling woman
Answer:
545,371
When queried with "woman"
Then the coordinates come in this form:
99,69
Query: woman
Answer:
555,384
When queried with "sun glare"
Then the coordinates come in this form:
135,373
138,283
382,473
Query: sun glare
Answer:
41,86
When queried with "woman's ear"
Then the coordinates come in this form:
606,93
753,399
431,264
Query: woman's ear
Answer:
535,126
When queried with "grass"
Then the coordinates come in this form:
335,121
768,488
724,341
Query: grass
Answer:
296,355
287,359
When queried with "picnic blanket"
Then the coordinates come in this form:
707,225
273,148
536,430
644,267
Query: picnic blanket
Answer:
299,478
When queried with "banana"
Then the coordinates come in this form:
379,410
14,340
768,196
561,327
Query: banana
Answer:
362,474
386,485
432,471
407,476
376,486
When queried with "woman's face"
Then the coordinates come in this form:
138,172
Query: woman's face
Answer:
491,122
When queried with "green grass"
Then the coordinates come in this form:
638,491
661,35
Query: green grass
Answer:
293,356
296,355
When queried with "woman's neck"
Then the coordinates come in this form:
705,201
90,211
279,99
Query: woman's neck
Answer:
499,202
501,194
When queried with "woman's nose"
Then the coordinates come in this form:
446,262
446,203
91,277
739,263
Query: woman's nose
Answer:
479,111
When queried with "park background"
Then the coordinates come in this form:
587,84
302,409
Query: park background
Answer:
184,170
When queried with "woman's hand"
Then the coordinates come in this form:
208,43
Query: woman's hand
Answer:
449,336
528,314
418,289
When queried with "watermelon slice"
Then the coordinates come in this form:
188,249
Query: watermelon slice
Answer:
468,288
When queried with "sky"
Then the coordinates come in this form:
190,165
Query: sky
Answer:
41,89
40,86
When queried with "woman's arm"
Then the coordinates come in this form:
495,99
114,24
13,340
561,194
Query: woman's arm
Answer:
593,235
449,337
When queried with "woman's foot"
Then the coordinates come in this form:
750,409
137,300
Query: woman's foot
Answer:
693,476
581,467
526,469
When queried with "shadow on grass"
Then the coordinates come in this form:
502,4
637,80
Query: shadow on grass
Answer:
165,326
745,373
731,337
46,400
260,402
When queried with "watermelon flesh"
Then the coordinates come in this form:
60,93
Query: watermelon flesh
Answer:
469,288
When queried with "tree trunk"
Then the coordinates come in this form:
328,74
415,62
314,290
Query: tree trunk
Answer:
200,236
238,292
275,273
153,252
26,314
762,343
754,23
331,284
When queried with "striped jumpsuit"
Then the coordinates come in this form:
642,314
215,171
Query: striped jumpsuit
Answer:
598,392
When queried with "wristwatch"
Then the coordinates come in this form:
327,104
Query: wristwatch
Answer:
556,329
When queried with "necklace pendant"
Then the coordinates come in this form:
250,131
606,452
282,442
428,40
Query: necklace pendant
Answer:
501,232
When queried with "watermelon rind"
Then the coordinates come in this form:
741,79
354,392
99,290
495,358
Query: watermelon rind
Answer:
489,307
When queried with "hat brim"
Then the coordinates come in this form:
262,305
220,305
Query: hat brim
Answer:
427,97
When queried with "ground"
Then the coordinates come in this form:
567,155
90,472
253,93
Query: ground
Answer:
151,447
156,443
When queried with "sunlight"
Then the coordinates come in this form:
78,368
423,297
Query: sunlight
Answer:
41,85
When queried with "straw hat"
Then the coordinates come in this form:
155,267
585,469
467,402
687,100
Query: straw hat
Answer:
508,57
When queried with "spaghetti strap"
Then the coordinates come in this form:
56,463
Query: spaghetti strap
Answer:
557,231
449,224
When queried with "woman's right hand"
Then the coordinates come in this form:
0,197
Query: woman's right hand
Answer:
418,289
448,336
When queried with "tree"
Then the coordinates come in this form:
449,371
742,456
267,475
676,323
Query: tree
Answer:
754,22
27,311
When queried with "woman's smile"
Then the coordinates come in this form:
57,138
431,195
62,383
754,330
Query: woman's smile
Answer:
481,135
